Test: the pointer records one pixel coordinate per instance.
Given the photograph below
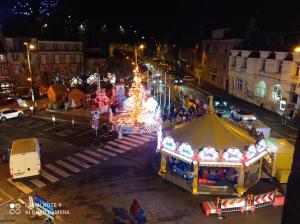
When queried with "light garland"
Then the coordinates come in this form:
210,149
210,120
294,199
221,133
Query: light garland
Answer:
186,150
209,154
232,154
169,143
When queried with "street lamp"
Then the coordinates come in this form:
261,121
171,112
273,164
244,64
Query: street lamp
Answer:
297,49
29,47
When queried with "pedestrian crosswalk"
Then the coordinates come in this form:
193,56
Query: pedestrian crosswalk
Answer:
75,164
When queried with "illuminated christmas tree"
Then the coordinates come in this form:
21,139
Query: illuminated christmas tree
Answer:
22,8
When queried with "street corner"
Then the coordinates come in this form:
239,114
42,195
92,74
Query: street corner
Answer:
5,198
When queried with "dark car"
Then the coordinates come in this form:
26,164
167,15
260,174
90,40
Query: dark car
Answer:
182,169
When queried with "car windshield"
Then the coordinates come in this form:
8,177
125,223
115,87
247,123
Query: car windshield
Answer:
243,112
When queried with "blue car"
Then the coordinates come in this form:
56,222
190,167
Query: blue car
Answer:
183,170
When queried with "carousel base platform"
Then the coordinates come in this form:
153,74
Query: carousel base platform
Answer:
202,189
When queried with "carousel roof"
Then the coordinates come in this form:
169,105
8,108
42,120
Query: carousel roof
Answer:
210,130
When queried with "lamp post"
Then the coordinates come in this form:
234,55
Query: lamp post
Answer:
30,47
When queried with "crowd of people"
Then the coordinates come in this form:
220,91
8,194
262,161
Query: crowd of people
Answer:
180,113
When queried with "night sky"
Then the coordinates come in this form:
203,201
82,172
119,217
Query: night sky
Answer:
174,18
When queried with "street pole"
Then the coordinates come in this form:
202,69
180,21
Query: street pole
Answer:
148,79
169,94
29,68
165,92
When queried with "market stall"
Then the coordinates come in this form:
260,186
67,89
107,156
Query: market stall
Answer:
211,156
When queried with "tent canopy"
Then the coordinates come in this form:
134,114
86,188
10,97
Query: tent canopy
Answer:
210,130
280,145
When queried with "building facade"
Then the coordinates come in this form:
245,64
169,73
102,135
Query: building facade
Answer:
59,57
215,54
270,79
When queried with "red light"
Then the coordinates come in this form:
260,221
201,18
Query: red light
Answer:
11,171
39,167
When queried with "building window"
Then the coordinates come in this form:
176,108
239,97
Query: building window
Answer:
62,59
66,46
76,46
244,63
234,61
294,98
43,59
293,87
297,71
42,46
263,65
68,59
55,46
226,50
261,89
15,57
280,66
276,94
240,84
77,58
213,77
50,59
56,58
1,57
72,58
207,47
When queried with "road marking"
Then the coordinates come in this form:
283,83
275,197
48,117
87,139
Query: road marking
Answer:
127,142
57,170
34,126
147,137
78,162
85,132
140,138
21,186
119,144
4,194
68,166
97,155
38,183
113,149
89,159
24,122
133,140
48,176
106,152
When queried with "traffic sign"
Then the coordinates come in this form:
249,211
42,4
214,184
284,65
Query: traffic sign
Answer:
46,208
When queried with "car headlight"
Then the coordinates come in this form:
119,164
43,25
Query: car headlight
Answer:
225,104
176,81
217,103
181,81
244,118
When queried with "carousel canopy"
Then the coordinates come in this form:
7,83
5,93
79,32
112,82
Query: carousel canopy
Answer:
210,130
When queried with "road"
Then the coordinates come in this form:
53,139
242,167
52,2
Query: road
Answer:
98,184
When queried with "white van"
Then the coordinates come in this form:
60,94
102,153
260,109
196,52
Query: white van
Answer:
25,158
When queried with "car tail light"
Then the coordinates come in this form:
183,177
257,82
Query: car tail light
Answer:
39,167
11,171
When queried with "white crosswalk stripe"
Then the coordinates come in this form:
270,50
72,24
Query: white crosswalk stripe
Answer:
106,152
149,137
134,140
68,166
89,159
21,186
78,162
123,141
113,149
97,155
119,144
57,170
38,183
139,137
48,176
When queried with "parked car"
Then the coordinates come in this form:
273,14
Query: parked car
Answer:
8,113
183,170
242,115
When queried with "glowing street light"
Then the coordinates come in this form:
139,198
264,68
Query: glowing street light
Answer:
297,49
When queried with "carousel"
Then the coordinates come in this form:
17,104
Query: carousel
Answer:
211,156
140,114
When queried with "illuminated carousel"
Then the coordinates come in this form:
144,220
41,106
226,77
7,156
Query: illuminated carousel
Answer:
211,156
141,112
